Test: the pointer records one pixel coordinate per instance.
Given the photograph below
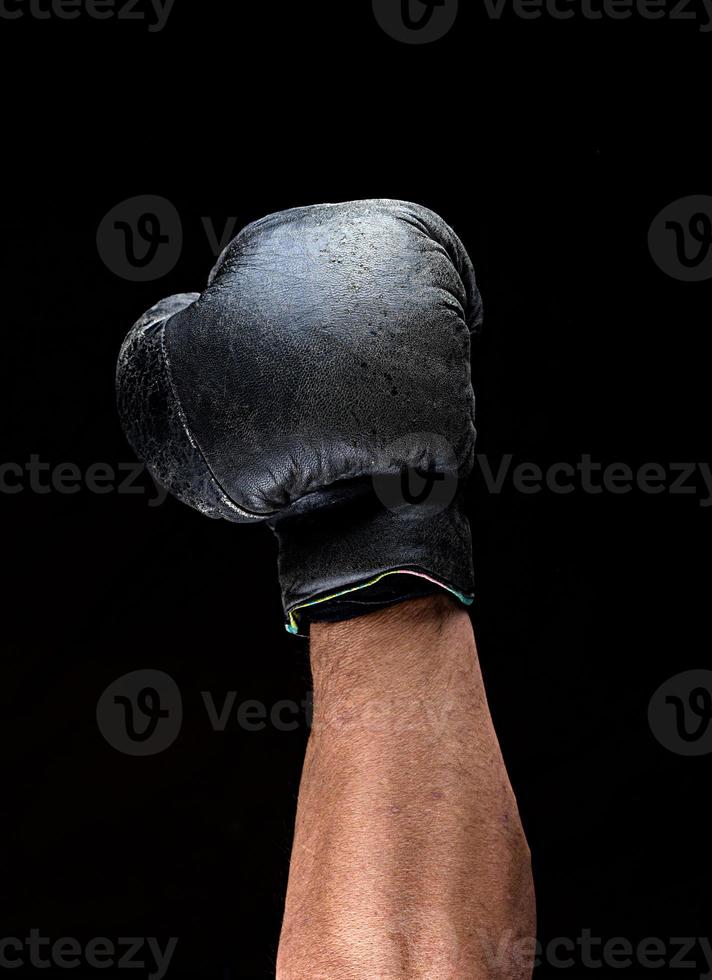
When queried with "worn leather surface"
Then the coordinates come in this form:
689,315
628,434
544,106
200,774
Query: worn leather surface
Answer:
153,419
325,335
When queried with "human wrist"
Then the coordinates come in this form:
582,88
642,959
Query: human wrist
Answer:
396,672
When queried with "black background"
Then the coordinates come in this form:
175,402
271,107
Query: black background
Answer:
550,147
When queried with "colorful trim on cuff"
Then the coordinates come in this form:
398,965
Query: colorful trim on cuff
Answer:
291,625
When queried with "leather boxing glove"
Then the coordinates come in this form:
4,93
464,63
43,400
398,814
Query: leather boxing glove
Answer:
321,383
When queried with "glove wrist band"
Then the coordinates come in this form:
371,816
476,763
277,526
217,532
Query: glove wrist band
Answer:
346,561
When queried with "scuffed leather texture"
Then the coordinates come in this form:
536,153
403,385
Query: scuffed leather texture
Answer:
326,334
152,417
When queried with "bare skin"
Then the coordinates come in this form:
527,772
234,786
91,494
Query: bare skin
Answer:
409,857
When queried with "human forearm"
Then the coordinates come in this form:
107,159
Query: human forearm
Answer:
409,857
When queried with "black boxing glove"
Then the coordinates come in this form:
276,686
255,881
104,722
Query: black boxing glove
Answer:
321,383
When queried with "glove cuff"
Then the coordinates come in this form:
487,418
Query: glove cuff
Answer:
355,556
